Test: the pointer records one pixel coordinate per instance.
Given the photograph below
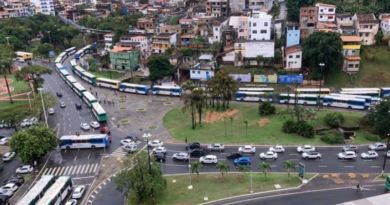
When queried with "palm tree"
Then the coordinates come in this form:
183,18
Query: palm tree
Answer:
5,67
189,105
243,169
264,167
200,99
196,167
223,168
289,165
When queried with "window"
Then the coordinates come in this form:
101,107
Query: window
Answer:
297,56
370,26
254,24
198,71
356,65
350,65
254,31
322,10
321,17
193,72
216,28
367,34
290,56
330,10
263,31
265,23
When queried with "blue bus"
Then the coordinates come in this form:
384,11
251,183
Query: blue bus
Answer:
134,88
167,90
344,102
368,99
84,141
385,92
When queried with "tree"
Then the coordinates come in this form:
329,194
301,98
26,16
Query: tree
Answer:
34,73
173,20
43,49
168,51
34,143
140,184
222,87
200,100
293,7
186,52
322,47
289,165
159,67
266,108
379,38
69,33
6,54
243,169
36,103
379,118
196,167
264,167
189,105
13,116
334,119
223,168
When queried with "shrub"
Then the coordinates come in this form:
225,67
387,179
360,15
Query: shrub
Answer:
289,126
332,138
266,108
334,119
373,138
304,129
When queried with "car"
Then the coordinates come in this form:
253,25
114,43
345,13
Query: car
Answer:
350,148
277,149
33,121
59,94
51,111
234,155
242,161
268,155
15,180
193,145
129,148
180,156
216,147
8,156
388,154
71,202
127,142
134,138
7,193
78,106
94,124
105,130
84,126
155,143
369,155
208,159
311,155
159,150
197,152
62,104
4,141
24,169
377,146
9,186
347,155
160,157
247,149
306,148
25,123
78,192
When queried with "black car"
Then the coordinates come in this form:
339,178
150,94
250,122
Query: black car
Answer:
197,152
234,155
160,157
78,106
59,94
134,138
194,145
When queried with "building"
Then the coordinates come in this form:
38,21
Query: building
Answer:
292,35
385,24
125,58
351,53
16,8
218,26
140,40
203,69
246,52
145,24
308,18
259,26
217,8
346,24
169,29
45,7
326,12
108,41
241,25
293,58
163,41
260,5
237,6
367,26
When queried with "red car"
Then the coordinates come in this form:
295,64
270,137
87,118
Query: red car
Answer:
105,130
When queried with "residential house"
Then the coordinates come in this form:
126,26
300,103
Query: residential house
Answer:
145,24
45,7
260,5
217,8
108,41
367,26
142,41
246,52
351,53
203,70
308,19
169,29
125,58
163,41
16,8
259,26
218,26
346,24
292,35
237,6
241,25
293,58
385,24
326,12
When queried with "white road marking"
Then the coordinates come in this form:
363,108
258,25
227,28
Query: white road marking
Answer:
66,170
293,154
375,167
54,171
322,165
78,169
349,166
61,170
96,167
82,169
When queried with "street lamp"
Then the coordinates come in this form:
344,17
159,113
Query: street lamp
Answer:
147,136
322,77
385,158
189,170
29,100
43,106
7,37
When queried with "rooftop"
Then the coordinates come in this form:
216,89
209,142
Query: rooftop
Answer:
344,15
293,49
119,49
366,18
350,38
325,5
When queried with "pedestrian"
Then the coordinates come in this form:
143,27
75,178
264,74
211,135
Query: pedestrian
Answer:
358,187
186,140
90,89
104,101
96,94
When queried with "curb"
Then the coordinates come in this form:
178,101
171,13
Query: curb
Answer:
269,145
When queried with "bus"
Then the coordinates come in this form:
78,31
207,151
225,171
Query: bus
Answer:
134,88
166,90
70,51
23,56
78,89
70,80
60,58
37,191
99,112
59,67
264,89
80,53
107,83
375,93
387,184
252,96
78,70
73,63
58,192
385,92
63,74
344,102
323,91
89,98
91,141
368,99
90,78
302,99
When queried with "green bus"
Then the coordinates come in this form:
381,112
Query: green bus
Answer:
387,184
99,112
89,98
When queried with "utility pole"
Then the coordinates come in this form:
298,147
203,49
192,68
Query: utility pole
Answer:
319,91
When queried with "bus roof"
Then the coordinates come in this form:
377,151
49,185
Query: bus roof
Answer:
345,98
78,86
256,89
64,72
73,62
59,65
88,74
89,96
360,89
166,86
53,190
108,80
22,53
134,85
349,95
36,190
249,92
301,95
71,79
83,137
79,68
98,108
70,49
312,89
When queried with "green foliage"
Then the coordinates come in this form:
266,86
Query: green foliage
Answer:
43,49
334,119
13,117
36,103
289,126
373,138
33,72
305,129
293,7
173,20
168,51
223,168
33,143
159,67
140,184
264,167
332,138
289,165
379,38
379,118
360,6
186,51
266,108
221,87
196,167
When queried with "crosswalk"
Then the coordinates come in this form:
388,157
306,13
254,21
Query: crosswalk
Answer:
119,152
80,169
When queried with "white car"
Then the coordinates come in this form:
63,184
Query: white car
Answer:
277,149
311,155
94,124
78,192
377,146
347,155
129,147
306,148
159,150
24,169
388,154
10,186
369,155
208,159
4,141
127,142
71,202
51,111
155,143
7,193
8,156
269,155
247,149
25,123
84,126
180,156
62,104
33,120
216,147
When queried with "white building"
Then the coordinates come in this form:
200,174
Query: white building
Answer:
241,25
143,42
248,51
293,58
218,28
260,4
204,69
45,7
385,24
260,26
326,12
108,41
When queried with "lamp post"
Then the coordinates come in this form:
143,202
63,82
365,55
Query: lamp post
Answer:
189,170
246,128
7,37
147,135
385,157
43,106
322,77
29,100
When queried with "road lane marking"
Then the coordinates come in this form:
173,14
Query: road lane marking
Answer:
74,170
87,169
82,169
91,168
293,154
70,170
375,167
349,166
78,169
96,167
54,171
322,165
66,170
61,170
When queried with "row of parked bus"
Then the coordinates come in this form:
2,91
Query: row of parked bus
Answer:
83,93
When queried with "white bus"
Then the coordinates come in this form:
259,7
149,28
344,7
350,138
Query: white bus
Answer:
60,58
302,99
78,70
90,78
58,192
166,90
70,80
37,191
344,102
99,112
70,51
323,91
107,83
375,93
59,67
63,74
73,63
84,141
368,99
264,89
89,98
78,89
253,96
385,92
134,88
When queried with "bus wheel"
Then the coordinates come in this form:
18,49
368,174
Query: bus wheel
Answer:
349,107
93,147
68,148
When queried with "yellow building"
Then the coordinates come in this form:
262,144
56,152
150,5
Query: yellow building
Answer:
351,52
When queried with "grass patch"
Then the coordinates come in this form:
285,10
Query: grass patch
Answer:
107,74
19,86
152,127
213,187
179,126
5,105
124,121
